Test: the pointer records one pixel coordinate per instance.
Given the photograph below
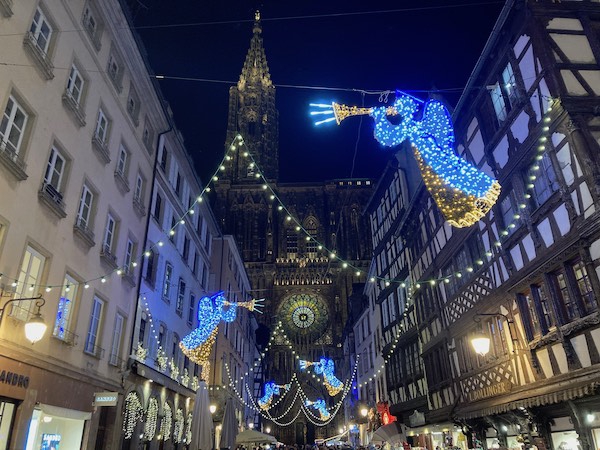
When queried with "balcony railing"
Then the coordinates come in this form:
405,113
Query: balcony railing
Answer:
93,350
12,160
101,148
53,199
66,337
122,182
39,56
75,107
6,8
108,257
81,229
138,206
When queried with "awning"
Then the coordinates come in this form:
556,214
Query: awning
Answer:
550,398
65,413
392,432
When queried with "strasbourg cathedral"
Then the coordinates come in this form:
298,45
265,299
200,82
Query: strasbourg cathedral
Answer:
305,290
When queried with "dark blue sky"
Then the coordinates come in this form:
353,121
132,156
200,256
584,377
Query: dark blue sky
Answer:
354,45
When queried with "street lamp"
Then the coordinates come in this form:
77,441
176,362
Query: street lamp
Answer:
364,411
212,408
481,342
268,430
35,327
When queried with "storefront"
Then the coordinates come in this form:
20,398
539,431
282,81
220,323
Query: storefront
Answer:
42,409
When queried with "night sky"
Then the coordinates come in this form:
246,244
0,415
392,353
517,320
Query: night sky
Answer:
352,45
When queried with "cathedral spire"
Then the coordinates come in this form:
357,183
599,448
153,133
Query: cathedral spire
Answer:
255,68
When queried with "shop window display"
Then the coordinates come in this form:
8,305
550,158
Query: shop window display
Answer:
55,432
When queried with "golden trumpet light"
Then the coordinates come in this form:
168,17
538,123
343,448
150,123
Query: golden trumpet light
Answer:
342,112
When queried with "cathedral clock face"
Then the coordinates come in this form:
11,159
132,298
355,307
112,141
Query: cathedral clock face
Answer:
304,315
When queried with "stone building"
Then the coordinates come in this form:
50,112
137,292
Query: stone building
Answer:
282,230
78,138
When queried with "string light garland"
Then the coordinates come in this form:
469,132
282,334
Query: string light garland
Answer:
178,427
238,141
134,413
166,422
151,419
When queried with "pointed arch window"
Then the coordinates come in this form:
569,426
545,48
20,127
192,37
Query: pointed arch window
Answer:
311,226
291,243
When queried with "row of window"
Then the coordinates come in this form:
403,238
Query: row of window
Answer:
160,346
42,37
30,275
169,286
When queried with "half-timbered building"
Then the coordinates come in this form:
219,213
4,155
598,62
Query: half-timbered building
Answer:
526,276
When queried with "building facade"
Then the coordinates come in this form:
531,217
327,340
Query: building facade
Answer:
283,231
77,146
526,276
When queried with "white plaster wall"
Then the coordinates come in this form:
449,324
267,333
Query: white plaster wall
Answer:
544,360
562,23
581,349
561,358
501,152
575,47
546,232
517,258
562,219
529,247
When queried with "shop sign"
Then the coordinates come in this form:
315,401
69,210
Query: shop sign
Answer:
490,391
416,419
106,398
14,379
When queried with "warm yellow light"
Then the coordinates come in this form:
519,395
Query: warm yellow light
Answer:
212,408
35,329
364,412
481,344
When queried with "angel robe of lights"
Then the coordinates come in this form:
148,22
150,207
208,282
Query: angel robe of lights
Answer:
326,367
198,344
271,389
463,193
320,406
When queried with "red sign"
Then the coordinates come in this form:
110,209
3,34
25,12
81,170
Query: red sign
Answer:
384,412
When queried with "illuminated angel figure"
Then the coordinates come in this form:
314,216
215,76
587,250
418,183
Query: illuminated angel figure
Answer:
463,193
326,367
320,406
211,311
271,389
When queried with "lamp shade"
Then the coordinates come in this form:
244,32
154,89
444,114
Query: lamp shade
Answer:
35,328
481,344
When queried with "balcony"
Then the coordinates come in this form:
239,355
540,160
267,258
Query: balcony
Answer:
116,361
93,350
108,257
12,160
138,206
122,182
39,56
66,337
74,107
6,8
82,230
53,199
101,148
92,32
128,276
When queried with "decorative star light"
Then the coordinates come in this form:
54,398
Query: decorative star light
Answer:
325,367
320,406
211,311
271,389
463,193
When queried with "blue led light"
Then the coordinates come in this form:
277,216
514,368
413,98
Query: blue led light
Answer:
326,368
271,389
463,193
320,406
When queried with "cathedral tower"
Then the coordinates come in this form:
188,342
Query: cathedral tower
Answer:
305,290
